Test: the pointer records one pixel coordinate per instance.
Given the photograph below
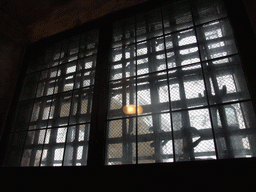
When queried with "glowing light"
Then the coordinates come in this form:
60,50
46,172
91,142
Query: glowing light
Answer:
131,109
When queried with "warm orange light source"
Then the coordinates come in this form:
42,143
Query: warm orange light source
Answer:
131,109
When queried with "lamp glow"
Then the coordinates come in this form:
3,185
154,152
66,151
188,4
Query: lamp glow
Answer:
131,109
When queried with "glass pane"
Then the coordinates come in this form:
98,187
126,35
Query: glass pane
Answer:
85,72
225,80
216,40
234,127
53,150
176,19
187,88
149,24
70,47
47,81
41,112
181,48
121,142
151,56
193,137
76,150
81,106
52,55
123,32
152,93
154,139
89,43
33,148
69,51
208,10
66,76
123,62
121,94
60,109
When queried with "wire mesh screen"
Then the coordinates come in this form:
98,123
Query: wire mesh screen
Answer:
177,90
52,121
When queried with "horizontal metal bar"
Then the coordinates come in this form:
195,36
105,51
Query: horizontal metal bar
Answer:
60,65
226,69
117,114
206,134
56,145
168,156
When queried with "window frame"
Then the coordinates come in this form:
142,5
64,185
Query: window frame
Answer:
242,32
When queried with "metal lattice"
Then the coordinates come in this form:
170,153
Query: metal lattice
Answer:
57,96
182,68
177,92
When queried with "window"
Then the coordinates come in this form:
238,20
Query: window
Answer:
182,67
52,121
176,92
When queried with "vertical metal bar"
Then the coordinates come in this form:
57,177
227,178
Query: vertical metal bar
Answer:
215,85
184,114
136,90
168,85
28,123
34,149
56,116
97,142
52,97
154,96
34,99
132,87
206,89
124,135
124,94
70,109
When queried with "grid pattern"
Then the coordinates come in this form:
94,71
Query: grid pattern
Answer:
180,64
52,121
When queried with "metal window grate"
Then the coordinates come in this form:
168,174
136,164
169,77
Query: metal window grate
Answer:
52,122
177,92
181,66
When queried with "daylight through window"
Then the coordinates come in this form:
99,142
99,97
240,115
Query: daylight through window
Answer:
52,122
176,92
182,67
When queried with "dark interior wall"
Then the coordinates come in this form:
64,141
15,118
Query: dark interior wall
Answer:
64,15
222,174
250,6
12,49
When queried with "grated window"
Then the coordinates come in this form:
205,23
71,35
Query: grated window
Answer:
54,110
169,87
182,67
